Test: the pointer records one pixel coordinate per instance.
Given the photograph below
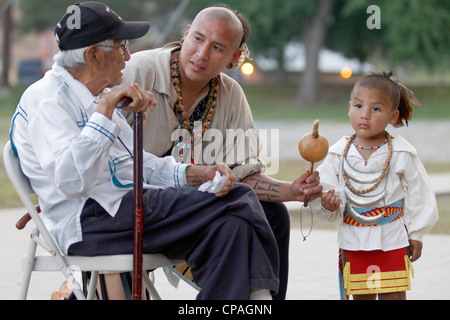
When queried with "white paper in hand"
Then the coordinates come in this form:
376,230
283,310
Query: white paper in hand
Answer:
215,185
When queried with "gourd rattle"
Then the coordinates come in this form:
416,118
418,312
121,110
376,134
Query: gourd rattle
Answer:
313,147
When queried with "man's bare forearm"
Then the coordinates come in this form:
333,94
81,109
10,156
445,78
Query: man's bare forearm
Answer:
269,189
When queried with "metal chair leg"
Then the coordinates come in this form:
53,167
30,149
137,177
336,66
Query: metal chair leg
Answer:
28,265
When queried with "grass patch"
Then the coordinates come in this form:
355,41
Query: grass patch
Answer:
278,103
8,102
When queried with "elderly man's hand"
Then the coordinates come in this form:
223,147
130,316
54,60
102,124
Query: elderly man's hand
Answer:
141,100
196,175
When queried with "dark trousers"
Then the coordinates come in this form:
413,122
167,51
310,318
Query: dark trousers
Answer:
278,217
227,241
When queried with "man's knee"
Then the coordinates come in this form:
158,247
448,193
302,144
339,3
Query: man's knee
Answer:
233,226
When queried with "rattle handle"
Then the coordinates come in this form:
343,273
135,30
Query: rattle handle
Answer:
305,203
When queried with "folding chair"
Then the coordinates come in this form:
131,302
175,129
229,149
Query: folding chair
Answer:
54,260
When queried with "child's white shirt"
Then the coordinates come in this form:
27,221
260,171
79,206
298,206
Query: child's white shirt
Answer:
406,180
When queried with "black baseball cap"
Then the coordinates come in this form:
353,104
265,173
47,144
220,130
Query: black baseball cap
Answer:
88,23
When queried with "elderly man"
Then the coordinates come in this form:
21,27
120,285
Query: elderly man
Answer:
76,148
195,98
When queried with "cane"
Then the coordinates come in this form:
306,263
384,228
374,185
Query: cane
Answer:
138,209
138,200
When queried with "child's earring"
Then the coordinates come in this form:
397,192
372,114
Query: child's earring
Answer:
230,65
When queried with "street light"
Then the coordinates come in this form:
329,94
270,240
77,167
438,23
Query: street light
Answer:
247,69
346,73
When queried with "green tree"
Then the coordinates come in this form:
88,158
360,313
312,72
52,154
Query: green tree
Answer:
418,31
349,34
42,15
412,32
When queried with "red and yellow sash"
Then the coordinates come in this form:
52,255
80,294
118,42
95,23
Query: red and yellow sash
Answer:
393,213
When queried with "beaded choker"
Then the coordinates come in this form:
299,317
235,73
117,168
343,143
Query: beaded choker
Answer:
204,111
369,148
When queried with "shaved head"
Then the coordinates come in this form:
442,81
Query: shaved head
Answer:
225,15
214,41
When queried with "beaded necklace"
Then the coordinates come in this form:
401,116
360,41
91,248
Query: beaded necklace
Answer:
204,111
369,148
383,172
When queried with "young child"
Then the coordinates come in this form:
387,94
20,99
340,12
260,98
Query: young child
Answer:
379,190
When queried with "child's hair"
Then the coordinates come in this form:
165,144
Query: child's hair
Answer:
400,95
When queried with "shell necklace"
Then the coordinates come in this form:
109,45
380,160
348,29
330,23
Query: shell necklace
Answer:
382,174
355,196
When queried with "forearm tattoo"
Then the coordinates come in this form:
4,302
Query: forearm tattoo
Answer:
266,190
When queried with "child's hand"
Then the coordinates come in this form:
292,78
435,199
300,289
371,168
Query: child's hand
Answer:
414,250
330,200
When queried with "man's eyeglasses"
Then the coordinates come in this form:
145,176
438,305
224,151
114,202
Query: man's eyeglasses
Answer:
123,46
